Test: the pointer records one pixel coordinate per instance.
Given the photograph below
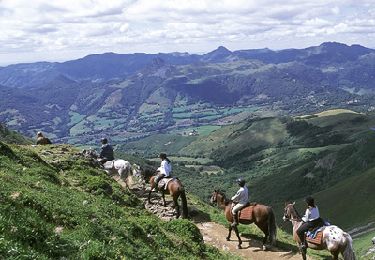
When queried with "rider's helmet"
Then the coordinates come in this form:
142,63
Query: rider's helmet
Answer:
241,182
310,201
104,140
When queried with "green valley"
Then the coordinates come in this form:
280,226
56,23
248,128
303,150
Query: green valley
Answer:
328,155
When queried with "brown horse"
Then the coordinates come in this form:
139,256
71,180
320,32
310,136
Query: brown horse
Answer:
176,190
262,216
334,239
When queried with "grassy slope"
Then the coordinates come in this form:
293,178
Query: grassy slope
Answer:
9,136
55,204
353,196
362,246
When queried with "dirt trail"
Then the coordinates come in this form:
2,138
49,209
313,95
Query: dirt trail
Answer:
213,233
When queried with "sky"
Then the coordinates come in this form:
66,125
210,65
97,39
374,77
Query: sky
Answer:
45,30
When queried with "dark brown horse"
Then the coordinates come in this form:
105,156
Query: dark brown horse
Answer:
262,216
176,190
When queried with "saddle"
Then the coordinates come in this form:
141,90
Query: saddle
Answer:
163,183
246,213
315,236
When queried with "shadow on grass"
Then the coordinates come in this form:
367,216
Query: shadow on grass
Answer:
198,216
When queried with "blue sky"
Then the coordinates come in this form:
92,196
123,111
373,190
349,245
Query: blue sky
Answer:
38,30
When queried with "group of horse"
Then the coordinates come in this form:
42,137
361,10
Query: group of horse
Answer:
174,187
333,239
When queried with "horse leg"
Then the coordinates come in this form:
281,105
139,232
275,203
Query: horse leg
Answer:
149,195
238,236
303,252
264,229
163,196
176,206
230,232
264,242
335,255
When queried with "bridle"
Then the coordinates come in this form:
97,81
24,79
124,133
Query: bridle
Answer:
213,198
288,216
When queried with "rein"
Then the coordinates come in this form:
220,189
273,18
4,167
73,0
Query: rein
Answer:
298,218
224,198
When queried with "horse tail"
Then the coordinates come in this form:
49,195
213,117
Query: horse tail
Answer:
272,229
184,203
348,253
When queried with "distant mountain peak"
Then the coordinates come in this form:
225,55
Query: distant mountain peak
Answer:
221,50
217,55
333,44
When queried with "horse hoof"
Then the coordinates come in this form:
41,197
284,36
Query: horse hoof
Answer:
239,247
264,248
228,239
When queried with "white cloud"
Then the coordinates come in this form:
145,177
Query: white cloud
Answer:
58,30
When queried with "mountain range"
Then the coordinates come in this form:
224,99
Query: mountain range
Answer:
133,95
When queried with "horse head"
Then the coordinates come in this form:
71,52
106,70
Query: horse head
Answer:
290,212
217,197
91,154
136,170
147,173
213,198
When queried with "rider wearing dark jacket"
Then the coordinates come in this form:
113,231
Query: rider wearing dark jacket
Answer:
106,154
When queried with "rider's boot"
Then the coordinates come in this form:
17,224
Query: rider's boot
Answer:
235,220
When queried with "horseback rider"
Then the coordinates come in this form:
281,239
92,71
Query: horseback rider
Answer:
106,153
311,220
164,170
41,139
241,200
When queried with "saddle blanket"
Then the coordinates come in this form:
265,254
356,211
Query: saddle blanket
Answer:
163,183
315,236
246,213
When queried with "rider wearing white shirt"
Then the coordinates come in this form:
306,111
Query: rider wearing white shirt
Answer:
311,214
165,168
311,219
241,199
